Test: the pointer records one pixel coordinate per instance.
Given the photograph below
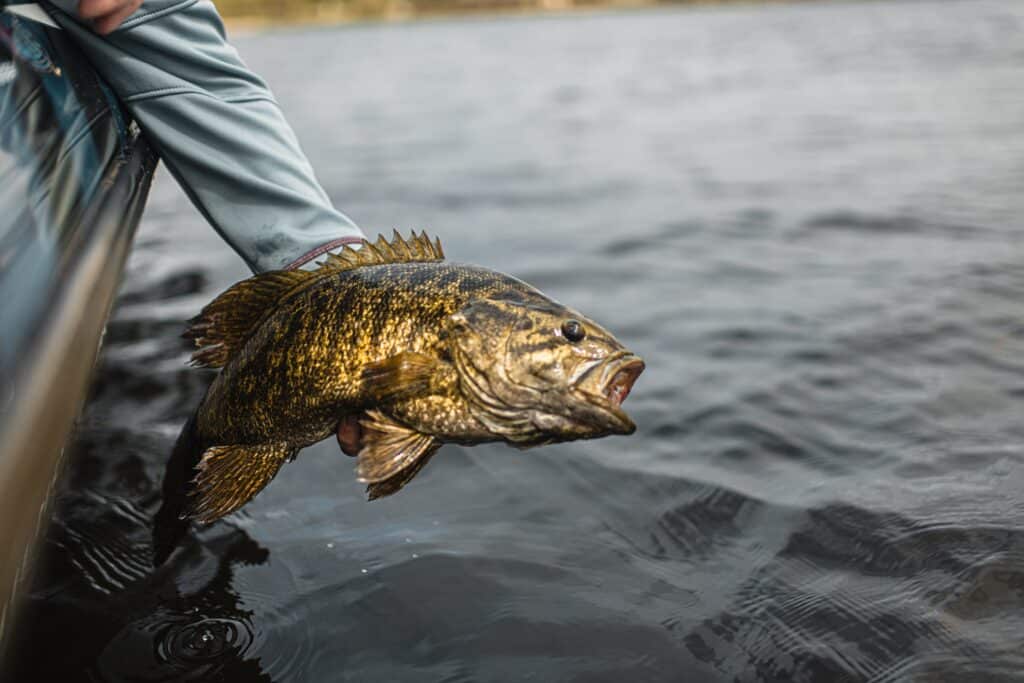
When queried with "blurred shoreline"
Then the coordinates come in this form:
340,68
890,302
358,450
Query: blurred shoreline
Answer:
247,15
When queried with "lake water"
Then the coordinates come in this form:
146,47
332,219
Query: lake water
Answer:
808,220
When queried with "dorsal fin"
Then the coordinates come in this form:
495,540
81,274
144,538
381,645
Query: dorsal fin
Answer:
223,326
397,250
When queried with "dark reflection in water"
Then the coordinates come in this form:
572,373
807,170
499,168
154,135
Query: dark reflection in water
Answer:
806,218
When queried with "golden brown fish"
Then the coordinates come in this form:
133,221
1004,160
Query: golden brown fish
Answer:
423,351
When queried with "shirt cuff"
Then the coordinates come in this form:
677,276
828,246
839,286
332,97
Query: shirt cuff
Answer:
321,250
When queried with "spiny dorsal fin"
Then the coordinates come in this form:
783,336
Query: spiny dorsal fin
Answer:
397,250
224,325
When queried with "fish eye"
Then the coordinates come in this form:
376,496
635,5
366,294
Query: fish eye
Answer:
573,330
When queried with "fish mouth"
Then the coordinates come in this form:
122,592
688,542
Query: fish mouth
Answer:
608,384
621,383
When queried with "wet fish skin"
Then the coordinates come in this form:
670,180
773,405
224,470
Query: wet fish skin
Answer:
424,351
324,339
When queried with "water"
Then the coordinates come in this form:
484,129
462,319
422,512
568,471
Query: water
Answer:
806,218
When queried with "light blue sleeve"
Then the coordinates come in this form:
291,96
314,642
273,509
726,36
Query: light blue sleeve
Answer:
217,128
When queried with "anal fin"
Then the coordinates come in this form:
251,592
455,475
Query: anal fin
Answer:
229,476
392,454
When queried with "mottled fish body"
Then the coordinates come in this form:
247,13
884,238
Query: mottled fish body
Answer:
421,351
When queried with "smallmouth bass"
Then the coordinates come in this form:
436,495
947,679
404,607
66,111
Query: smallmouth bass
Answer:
419,351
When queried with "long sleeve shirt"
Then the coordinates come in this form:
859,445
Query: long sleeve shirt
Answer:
217,128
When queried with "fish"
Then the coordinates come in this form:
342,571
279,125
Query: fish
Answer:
407,348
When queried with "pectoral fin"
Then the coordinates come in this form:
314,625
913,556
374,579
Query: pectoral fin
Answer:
392,454
229,476
401,376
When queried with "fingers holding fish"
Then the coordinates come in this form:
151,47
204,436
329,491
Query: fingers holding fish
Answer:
350,434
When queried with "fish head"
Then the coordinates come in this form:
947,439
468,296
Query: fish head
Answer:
537,372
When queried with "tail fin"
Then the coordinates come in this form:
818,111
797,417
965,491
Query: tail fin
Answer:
171,522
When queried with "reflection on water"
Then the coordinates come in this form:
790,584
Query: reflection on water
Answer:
805,218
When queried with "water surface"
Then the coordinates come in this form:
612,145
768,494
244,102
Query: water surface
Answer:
806,218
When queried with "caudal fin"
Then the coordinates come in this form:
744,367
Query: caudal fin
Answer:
171,522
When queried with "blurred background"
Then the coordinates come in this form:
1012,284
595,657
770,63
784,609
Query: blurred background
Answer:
806,217
269,12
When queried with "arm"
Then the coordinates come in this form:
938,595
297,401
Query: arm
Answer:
217,127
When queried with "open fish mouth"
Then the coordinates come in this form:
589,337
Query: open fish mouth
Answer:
621,383
608,384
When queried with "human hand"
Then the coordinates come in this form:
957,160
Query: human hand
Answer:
107,15
350,434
